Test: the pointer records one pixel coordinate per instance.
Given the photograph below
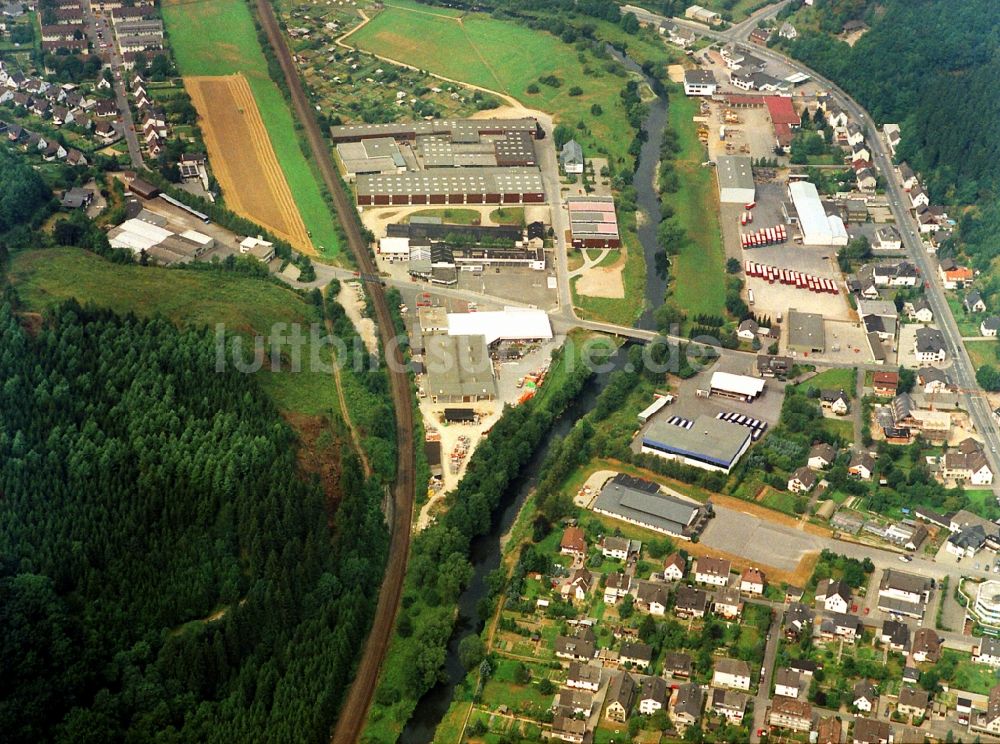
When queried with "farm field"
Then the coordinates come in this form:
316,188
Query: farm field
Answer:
189,298
479,53
242,156
698,271
216,38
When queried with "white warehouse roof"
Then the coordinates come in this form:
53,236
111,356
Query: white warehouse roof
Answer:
812,217
137,235
197,237
394,246
509,324
739,384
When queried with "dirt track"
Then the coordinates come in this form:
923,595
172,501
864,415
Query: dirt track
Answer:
243,159
354,710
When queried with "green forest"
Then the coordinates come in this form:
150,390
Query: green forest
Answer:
168,571
932,67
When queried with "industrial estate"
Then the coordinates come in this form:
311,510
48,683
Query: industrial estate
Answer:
771,514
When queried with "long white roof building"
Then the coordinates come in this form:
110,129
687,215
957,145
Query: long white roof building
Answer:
817,227
509,324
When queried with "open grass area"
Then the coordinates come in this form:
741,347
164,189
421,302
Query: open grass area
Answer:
243,305
479,52
217,37
508,215
835,379
968,323
781,500
622,311
982,352
452,216
841,427
698,271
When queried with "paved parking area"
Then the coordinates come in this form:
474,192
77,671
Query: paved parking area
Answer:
762,542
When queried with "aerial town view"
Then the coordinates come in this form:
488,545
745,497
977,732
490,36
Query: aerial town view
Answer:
505,371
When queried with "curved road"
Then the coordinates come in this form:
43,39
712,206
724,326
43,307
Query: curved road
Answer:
354,710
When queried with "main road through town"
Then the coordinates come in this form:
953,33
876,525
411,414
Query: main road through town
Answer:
354,710
964,373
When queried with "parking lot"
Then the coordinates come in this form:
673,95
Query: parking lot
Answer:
743,534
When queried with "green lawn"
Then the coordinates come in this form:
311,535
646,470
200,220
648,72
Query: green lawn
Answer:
835,379
782,501
973,677
698,271
982,352
508,215
217,37
189,298
968,323
841,427
507,58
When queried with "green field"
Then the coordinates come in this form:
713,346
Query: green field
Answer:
834,379
698,271
507,58
189,298
217,37
982,352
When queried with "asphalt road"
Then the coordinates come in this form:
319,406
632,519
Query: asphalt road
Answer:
761,702
355,707
962,369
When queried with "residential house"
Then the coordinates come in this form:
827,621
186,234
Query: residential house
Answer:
802,481
840,625
836,116
652,597
791,714
973,302
866,179
787,31
954,276
829,730
578,586
919,310
575,702
685,707
933,380
896,635
569,729
752,581
575,649
892,135
904,594
677,665
733,673
639,655
833,596
748,330
912,702
989,722
730,704
871,731
769,365
835,401
887,238
988,652
968,463
862,466
674,567
620,698
966,542
653,695
821,456
105,132
798,619
727,603
918,197
865,696
926,645
574,542
787,682
713,571
619,548
906,534
855,135
617,586
989,326
793,593
582,676
884,384
571,158
699,83
690,602
805,667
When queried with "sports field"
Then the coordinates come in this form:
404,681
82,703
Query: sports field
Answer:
501,56
242,157
217,37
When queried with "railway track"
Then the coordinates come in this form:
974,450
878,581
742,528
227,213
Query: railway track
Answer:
354,710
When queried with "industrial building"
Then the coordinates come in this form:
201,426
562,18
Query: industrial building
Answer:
640,502
462,131
817,227
458,368
159,244
709,443
593,222
735,174
455,186
700,83
375,155
738,387
806,333
509,324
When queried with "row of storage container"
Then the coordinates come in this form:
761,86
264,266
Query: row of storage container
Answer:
772,274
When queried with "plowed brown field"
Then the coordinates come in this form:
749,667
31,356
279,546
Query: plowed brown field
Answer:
243,159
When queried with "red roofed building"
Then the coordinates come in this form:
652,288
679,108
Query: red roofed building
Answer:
783,117
885,383
573,542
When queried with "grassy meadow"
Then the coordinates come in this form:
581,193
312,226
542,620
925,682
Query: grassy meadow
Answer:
218,37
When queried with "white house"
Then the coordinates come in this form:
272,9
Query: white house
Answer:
833,596
699,83
731,673
865,696
802,481
673,568
930,345
988,652
918,197
786,683
713,571
752,581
